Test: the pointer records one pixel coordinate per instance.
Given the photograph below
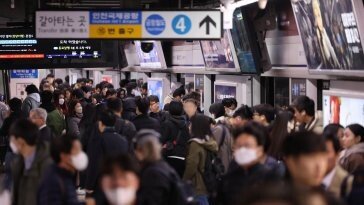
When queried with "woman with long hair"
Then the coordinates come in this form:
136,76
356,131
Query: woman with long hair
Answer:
75,114
56,119
201,143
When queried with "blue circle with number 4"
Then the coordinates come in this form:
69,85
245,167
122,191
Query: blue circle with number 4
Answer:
155,24
181,24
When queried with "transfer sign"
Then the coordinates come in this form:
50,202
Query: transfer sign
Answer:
153,25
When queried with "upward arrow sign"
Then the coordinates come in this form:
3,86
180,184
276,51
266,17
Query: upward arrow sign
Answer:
207,20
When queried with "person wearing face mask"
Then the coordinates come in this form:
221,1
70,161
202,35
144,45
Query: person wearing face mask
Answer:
74,117
58,185
56,118
247,168
30,163
353,142
230,105
106,144
119,181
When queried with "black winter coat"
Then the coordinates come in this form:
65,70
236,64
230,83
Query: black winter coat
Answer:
45,135
155,187
238,181
170,129
109,143
145,122
58,187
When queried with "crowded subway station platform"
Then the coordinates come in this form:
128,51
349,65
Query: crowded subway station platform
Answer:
181,102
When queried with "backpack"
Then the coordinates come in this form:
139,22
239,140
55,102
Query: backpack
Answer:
214,170
178,145
356,195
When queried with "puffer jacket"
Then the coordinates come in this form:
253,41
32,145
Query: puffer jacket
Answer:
195,163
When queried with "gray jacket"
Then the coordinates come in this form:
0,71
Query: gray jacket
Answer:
225,152
73,126
30,102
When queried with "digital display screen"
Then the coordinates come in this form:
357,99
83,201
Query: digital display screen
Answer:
155,87
20,49
218,54
24,45
330,34
187,53
224,91
153,59
343,110
242,44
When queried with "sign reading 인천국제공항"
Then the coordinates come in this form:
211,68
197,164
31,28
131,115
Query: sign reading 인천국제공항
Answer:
129,24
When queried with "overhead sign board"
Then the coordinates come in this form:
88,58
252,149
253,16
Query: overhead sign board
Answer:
152,25
27,73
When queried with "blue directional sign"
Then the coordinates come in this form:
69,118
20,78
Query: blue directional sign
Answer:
26,73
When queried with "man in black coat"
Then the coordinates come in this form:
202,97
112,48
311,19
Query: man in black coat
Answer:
39,117
143,121
157,178
154,108
123,127
108,143
58,185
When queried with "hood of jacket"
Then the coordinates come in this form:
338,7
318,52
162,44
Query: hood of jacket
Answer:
35,96
177,120
210,144
129,105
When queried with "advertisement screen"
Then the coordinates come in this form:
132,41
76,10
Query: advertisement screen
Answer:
343,110
218,54
155,87
187,53
224,91
242,46
330,34
153,59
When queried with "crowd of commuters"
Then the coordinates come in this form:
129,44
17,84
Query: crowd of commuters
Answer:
85,144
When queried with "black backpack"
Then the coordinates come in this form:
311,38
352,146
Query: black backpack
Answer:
214,170
178,145
356,195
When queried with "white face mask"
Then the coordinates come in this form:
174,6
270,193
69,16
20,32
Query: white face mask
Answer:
61,101
121,196
244,156
14,148
80,161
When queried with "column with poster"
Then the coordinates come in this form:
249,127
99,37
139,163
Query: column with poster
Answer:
199,87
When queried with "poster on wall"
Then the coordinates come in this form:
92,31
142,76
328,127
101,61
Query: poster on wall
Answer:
330,34
338,109
107,78
199,87
224,91
155,87
298,88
